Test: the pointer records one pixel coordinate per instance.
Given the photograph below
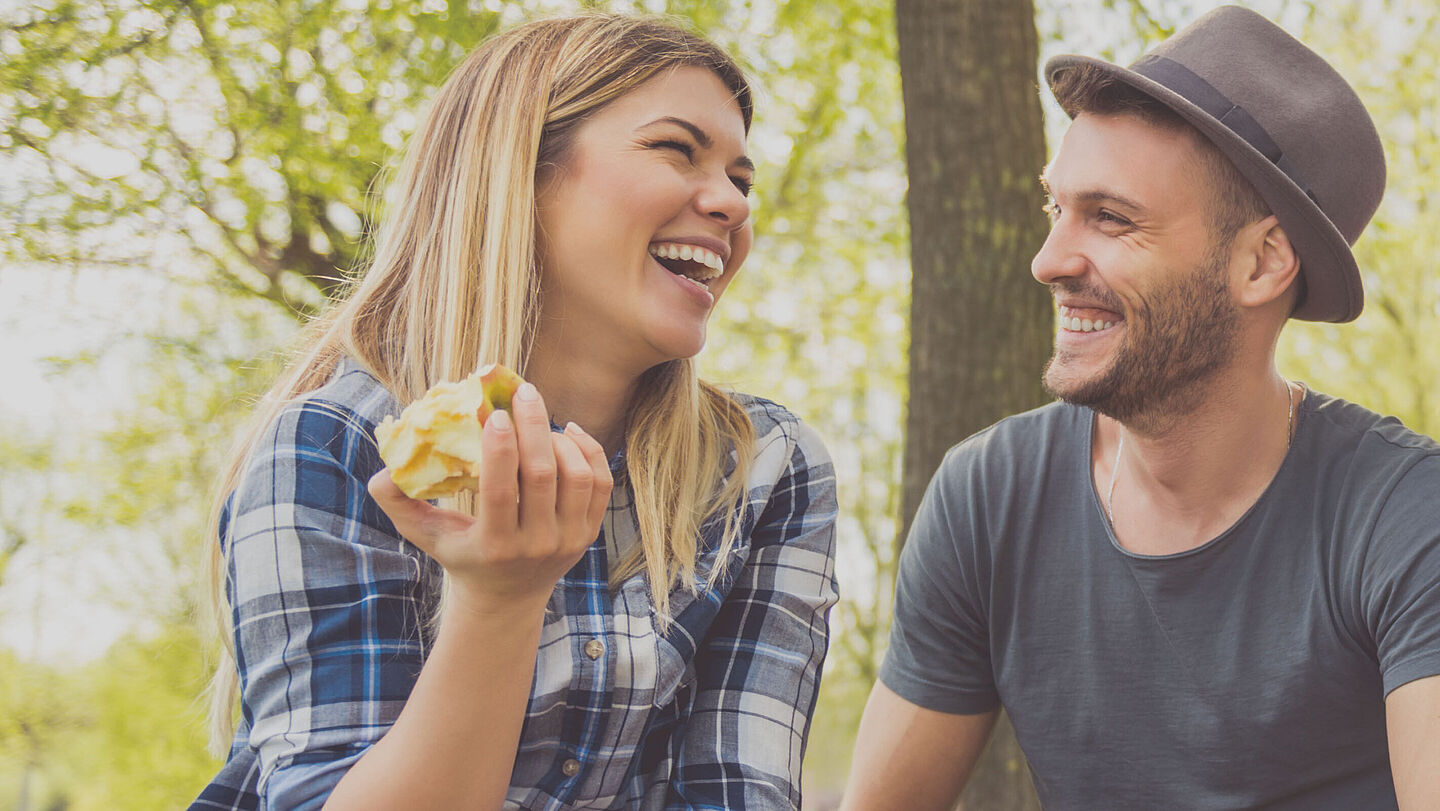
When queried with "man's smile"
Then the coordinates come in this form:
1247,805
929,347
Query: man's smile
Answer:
1086,319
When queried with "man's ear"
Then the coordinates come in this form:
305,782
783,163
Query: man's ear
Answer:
1271,270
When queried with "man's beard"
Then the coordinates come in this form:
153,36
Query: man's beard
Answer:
1178,336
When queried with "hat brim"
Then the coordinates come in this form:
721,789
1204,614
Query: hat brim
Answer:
1333,290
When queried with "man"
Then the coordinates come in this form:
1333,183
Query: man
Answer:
1192,583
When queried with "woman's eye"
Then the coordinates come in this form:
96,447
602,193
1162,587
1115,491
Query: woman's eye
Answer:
743,184
679,146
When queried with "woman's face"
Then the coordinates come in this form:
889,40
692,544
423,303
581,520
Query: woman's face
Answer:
644,224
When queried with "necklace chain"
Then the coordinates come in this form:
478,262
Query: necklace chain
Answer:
1120,447
1114,474
1290,415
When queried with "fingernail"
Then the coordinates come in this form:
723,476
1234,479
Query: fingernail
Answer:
526,392
500,419
572,428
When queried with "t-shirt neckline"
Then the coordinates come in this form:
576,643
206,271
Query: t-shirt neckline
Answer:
1098,513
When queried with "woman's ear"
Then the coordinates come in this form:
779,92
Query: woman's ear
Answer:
1272,269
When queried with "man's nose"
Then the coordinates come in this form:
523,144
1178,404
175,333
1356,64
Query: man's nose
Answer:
1059,257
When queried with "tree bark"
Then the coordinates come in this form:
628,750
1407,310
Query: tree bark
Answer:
980,326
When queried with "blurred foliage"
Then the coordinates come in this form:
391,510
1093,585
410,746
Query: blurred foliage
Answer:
133,490
230,151
126,729
258,127
1387,359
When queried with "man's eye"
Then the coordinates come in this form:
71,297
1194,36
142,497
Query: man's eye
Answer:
1112,217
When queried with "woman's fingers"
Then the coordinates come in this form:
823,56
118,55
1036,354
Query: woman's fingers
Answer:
601,479
537,459
497,489
572,498
418,522
541,497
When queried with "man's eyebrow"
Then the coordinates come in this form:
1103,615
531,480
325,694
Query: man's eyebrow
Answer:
701,137
1097,195
1108,196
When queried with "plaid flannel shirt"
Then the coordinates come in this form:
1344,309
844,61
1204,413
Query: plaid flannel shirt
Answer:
330,610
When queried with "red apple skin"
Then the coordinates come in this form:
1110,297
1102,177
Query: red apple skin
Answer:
499,385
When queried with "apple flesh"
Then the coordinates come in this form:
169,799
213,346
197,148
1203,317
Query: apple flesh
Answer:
433,450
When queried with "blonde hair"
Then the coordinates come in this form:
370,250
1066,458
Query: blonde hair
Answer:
454,283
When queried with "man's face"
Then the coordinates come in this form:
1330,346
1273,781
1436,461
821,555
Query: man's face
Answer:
1146,315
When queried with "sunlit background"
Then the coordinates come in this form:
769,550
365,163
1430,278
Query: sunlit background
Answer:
165,166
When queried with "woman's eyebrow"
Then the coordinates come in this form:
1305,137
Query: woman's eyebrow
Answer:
701,137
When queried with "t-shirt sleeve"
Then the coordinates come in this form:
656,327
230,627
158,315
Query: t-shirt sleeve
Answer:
939,653
1402,577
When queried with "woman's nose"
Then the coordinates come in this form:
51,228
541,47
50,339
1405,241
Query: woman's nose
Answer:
722,200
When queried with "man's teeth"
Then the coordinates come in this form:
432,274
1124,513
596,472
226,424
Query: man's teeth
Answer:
691,253
1077,324
1085,324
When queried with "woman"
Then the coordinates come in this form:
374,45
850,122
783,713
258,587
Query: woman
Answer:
634,611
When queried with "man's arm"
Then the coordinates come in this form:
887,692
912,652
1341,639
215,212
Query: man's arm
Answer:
1412,716
908,757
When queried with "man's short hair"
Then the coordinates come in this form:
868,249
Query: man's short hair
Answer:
1234,201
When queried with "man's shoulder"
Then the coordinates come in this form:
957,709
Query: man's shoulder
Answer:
1379,476
1352,430
1028,439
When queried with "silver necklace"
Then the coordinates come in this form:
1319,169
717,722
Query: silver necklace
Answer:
1114,474
1290,416
1120,446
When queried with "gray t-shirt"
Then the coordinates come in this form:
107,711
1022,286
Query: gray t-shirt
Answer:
1249,672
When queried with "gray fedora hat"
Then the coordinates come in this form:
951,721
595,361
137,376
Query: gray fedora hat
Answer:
1288,122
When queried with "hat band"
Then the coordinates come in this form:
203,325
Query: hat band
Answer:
1204,95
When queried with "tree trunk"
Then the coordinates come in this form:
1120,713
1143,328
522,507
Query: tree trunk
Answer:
980,326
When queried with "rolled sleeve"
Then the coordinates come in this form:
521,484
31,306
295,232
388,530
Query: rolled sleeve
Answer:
306,787
328,604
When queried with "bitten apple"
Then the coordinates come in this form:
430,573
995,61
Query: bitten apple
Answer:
433,450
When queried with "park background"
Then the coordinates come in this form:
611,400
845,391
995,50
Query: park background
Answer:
182,182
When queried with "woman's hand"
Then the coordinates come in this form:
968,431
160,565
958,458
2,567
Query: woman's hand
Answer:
540,500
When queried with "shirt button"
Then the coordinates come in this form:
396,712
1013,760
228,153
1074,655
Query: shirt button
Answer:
594,648
571,767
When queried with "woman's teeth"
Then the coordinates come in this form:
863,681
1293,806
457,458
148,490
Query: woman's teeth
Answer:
696,282
701,264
